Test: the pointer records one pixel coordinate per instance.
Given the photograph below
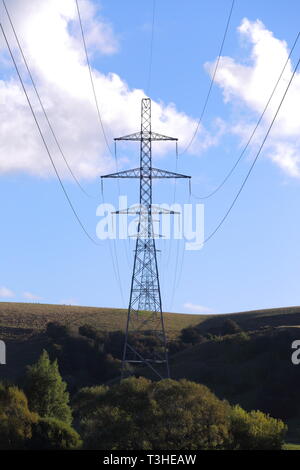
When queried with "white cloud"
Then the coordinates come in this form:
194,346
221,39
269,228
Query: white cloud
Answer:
6,293
195,308
31,296
50,36
249,84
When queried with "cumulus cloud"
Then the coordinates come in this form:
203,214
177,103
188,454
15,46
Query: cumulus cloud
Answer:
50,36
195,308
6,293
248,84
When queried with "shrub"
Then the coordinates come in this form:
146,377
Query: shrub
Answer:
230,327
52,434
16,420
139,414
56,330
256,430
170,414
191,335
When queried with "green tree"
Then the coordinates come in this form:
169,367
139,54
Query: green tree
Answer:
46,391
189,416
170,414
16,420
256,430
52,434
139,414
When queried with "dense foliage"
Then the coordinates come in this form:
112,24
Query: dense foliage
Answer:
50,434
16,419
251,368
46,391
182,415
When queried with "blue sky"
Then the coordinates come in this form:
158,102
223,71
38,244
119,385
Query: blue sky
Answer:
253,261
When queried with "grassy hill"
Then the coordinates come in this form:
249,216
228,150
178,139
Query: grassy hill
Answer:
23,326
22,319
252,368
25,319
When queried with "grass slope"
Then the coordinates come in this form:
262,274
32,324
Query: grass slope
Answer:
255,372
21,319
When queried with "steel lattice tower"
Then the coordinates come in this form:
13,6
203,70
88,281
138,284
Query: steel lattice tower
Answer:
145,307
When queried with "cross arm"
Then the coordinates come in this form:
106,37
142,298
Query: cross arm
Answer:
138,209
137,136
134,173
157,173
138,173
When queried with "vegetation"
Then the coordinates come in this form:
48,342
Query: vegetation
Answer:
243,358
16,419
255,430
181,415
46,391
20,320
51,434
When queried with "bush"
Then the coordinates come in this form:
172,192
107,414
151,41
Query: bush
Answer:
256,430
179,415
191,335
56,330
100,337
139,414
52,434
16,420
230,327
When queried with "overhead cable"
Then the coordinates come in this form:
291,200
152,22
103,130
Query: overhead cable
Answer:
41,103
254,130
211,82
45,143
92,80
255,159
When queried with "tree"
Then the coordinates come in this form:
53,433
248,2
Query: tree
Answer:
52,434
230,327
16,420
170,414
139,414
256,430
46,391
191,335
57,331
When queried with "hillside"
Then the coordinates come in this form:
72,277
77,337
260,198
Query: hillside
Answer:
252,367
23,328
25,319
21,319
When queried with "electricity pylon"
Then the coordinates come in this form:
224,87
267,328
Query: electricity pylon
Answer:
145,316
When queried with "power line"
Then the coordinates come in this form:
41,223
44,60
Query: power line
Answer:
92,80
211,82
177,279
254,130
151,48
115,267
255,159
40,101
45,143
